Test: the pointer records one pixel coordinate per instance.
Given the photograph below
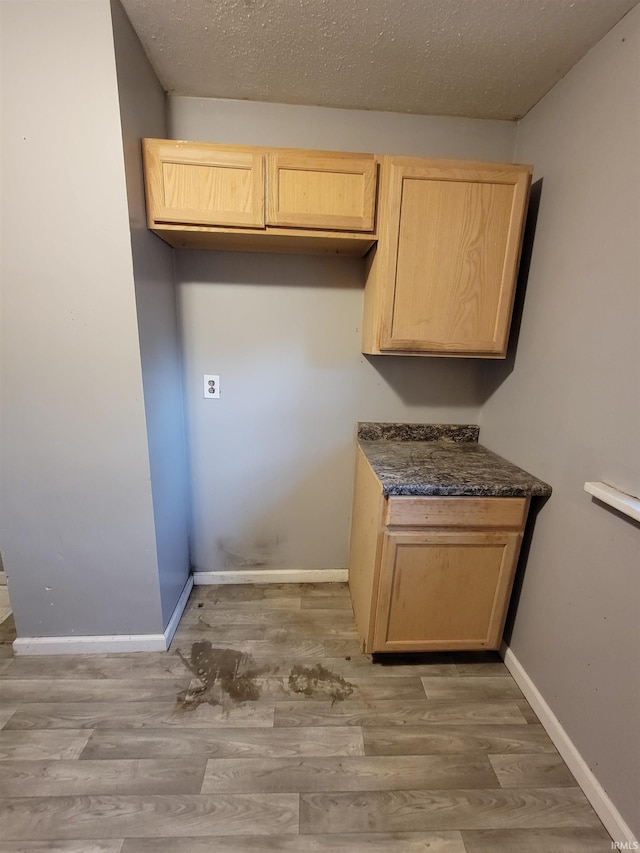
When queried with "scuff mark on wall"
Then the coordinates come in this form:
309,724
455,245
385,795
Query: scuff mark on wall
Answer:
264,553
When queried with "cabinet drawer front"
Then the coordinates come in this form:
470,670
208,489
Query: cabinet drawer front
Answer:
197,184
456,512
334,193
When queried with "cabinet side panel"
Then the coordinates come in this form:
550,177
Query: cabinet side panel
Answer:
503,592
371,311
366,538
378,270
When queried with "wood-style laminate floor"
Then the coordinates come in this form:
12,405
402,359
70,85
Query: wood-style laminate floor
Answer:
265,729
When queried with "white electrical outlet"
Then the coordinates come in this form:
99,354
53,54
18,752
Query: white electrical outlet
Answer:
211,387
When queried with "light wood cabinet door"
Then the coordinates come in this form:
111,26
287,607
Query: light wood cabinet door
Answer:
199,184
308,190
444,590
448,257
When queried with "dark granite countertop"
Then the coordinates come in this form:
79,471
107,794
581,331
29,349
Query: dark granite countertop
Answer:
441,459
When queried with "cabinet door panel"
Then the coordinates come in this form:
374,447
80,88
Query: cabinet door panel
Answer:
306,191
197,184
454,257
444,590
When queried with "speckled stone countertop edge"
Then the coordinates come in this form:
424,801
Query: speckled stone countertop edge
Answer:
435,464
467,491
373,431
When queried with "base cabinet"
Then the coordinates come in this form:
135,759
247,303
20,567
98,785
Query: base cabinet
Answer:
431,573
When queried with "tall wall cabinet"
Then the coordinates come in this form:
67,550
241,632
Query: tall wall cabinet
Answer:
442,277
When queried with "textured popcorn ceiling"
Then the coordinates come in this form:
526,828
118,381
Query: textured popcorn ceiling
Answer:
476,58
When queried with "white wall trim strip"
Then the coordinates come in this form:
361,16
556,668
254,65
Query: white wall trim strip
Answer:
109,643
593,790
627,504
178,610
272,576
90,645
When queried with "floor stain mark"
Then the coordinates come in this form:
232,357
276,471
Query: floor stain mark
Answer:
220,675
319,681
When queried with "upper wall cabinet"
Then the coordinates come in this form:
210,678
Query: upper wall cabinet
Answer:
192,184
309,190
442,278
243,198
446,234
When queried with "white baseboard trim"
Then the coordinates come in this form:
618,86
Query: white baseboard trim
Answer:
90,645
272,576
106,644
609,815
178,610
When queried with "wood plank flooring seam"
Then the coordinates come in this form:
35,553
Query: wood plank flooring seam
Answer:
211,742
43,744
531,770
395,712
62,777
135,816
398,842
350,773
431,810
436,739
575,840
85,845
133,715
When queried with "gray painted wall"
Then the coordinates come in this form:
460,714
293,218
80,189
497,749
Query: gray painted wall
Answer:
284,125
272,460
77,519
570,409
142,111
